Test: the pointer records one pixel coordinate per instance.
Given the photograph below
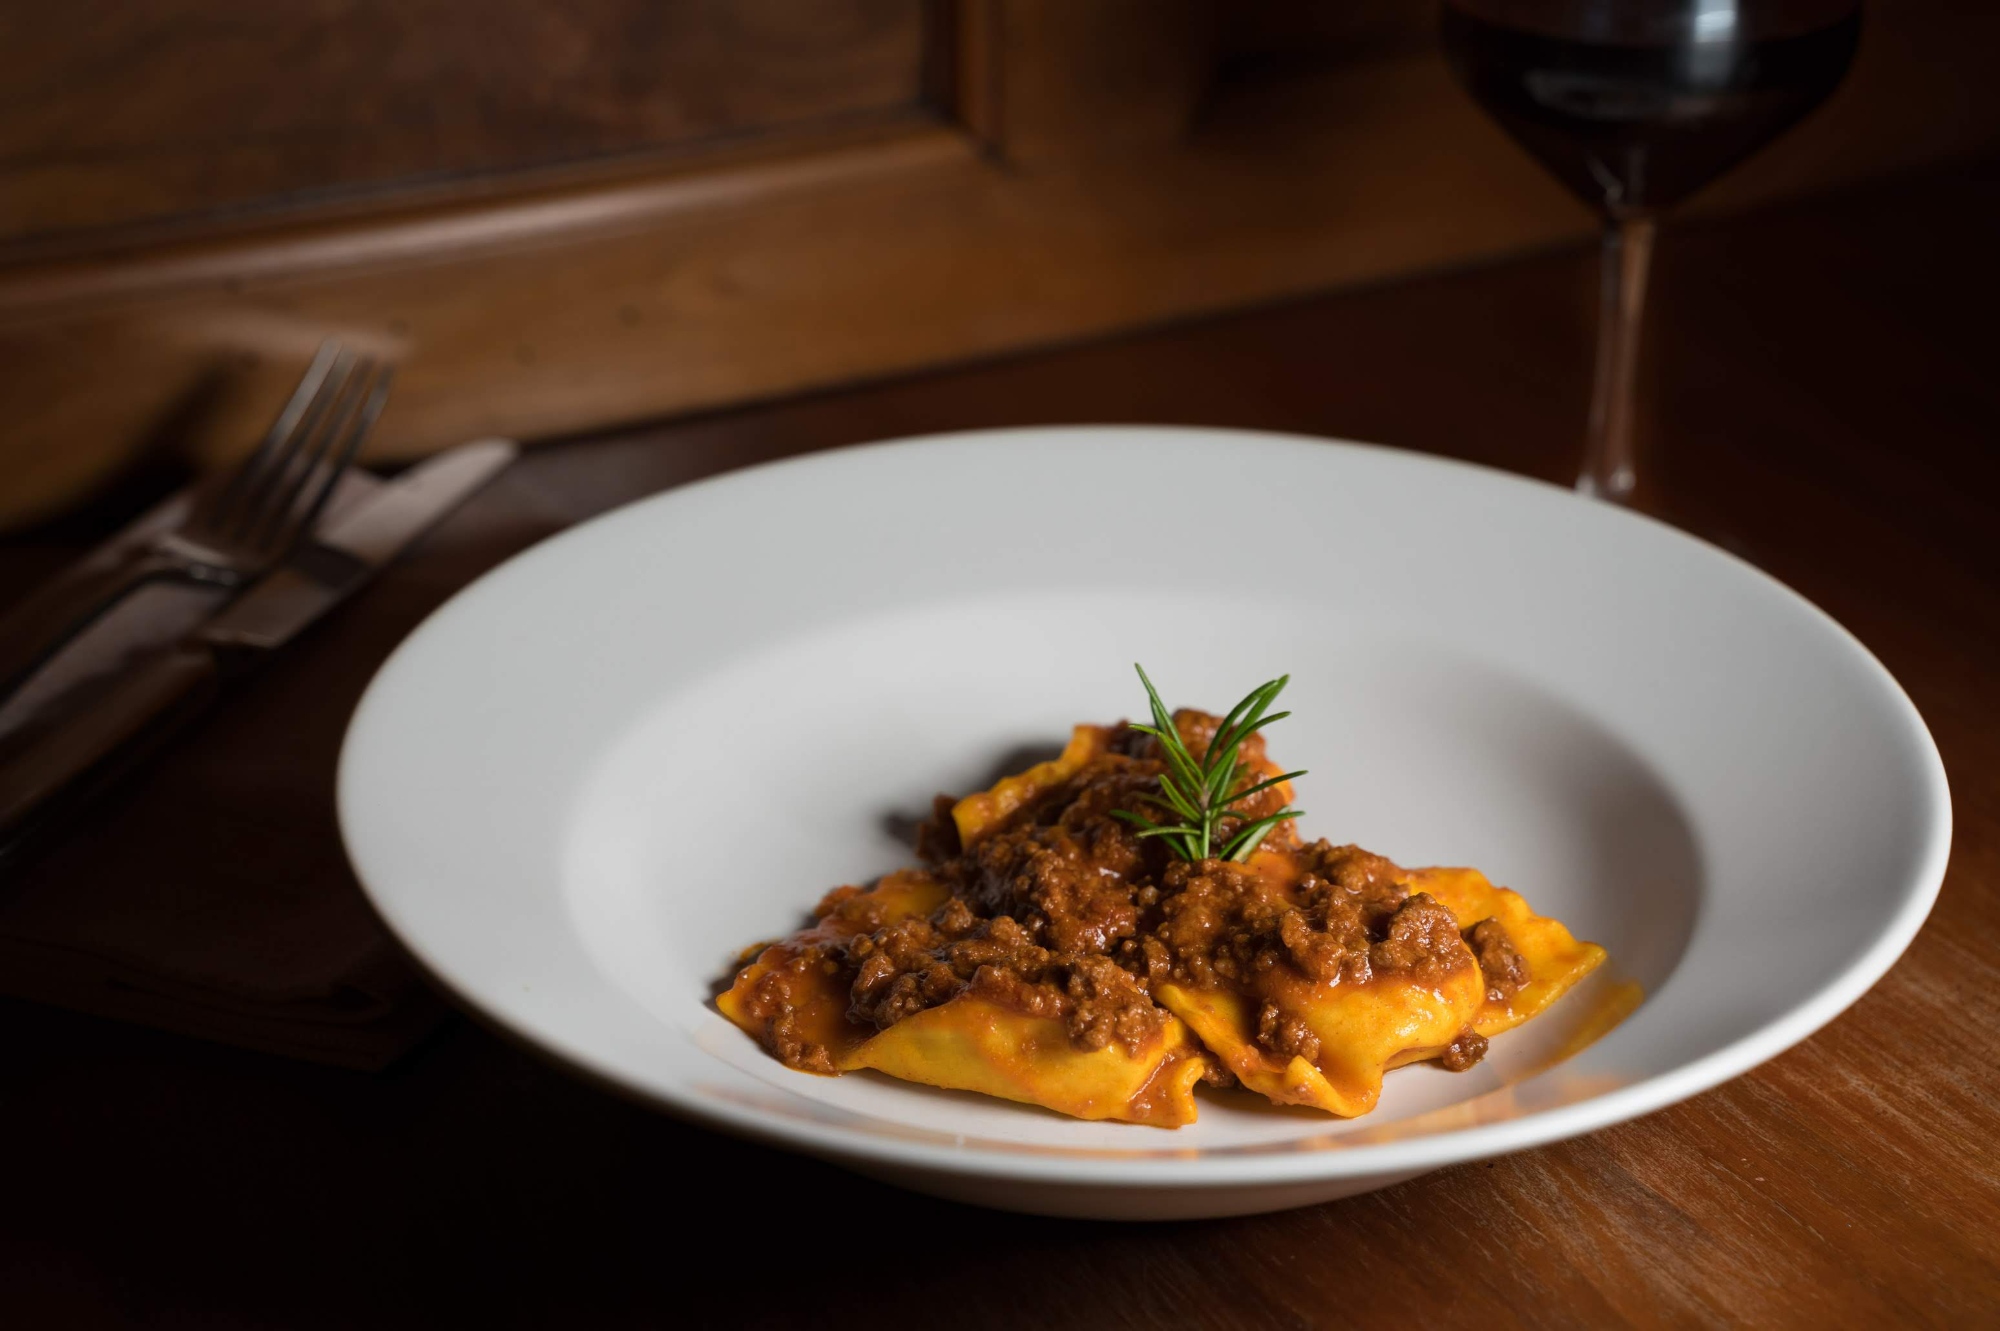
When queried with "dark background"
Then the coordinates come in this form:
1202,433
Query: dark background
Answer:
562,218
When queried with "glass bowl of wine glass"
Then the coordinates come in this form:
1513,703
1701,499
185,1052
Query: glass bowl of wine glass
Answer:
1635,105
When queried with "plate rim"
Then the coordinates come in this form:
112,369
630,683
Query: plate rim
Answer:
1057,1166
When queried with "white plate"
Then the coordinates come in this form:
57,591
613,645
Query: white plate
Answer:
599,772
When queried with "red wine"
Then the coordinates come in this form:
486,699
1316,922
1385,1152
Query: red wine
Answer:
1637,128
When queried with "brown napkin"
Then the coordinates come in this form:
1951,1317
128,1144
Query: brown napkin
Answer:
208,896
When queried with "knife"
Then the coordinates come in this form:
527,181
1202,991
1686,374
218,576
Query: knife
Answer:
64,767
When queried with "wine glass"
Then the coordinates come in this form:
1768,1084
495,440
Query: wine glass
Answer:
1635,104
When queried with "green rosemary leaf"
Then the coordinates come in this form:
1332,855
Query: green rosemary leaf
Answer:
1253,724
1246,715
1162,718
1173,797
1262,786
1220,782
1176,754
1148,828
1169,745
1251,700
1231,744
1202,792
1264,721
1186,776
1252,836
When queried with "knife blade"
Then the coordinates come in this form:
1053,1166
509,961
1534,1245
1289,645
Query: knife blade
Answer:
62,768
348,551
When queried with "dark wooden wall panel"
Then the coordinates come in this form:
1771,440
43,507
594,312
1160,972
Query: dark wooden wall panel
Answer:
1096,164
114,112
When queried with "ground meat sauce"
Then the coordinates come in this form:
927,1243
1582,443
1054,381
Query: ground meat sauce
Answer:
1064,912
1462,1053
1504,969
774,1003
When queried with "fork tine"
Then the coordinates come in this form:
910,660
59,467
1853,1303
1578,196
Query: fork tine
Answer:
252,503
364,421
347,422
218,506
263,494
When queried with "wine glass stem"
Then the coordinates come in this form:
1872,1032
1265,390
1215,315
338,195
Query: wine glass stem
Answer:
1608,458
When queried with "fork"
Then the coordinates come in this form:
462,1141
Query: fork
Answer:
239,525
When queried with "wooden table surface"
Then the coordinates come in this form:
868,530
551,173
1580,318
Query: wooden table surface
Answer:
1821,396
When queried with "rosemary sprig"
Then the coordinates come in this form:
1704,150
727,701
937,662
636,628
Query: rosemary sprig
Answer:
1201,794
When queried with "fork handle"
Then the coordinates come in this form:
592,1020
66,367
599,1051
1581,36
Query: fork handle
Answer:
42,625
63,767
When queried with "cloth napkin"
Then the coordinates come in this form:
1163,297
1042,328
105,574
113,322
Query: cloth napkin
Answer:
186,904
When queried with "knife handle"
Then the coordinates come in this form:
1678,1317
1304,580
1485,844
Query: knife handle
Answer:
38,627
61,768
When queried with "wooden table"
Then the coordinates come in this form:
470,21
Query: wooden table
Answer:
1821,396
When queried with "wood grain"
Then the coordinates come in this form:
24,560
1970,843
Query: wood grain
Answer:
114,115
1091,183
1079,83
1817,396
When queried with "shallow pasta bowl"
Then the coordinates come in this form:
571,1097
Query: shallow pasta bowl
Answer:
585,784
